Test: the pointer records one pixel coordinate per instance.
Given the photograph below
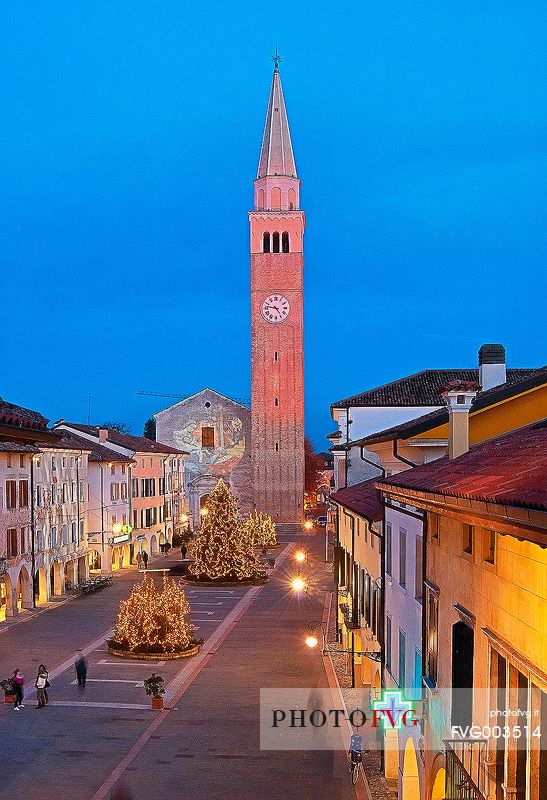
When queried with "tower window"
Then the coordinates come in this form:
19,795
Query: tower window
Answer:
260,199
284,242
275,239
207,436
292,199
277,401
266,243
277,447
276,198
276,355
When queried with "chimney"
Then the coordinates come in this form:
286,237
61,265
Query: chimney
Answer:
458,396
492,366
103,434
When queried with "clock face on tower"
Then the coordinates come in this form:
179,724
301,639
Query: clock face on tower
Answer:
275,308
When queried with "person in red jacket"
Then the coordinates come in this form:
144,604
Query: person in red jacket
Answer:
18,681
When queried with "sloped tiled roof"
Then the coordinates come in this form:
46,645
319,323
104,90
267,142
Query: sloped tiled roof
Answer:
362,498
17,447
497,394
20,417
508,470
420,389
139,444
97,452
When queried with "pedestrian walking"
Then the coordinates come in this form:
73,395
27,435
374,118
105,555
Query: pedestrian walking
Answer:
139,560
18,680
41,683
183,551
145,558
81,670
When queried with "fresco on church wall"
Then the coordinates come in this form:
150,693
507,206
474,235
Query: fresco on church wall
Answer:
229,458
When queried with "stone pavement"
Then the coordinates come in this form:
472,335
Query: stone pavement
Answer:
206,743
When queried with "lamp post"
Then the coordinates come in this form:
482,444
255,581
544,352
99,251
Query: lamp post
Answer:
312,642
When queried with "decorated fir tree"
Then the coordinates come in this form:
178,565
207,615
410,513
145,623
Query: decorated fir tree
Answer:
222,548
154,620
261,528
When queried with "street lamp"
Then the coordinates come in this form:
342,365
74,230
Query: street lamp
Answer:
204,511
298,584
300,556
308,524
312,642
117,528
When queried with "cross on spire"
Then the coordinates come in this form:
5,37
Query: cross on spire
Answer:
276,58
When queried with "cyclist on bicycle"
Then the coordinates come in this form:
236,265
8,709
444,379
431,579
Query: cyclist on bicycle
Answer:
355,747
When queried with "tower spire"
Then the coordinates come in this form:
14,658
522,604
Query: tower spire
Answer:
276,154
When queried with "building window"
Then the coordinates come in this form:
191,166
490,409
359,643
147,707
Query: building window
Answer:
275,242
276,355
38,461
63,461
23,540
266,243
467,543
112,469
123,469
39,495
277,447
402,659
292,199
54,494
73,491
402,557
8,460
388,549
21,460
23,494
489,546
11,494
40,540
418,591
123,487
53,536
207,436
11,542
276,401
134,488
64,493
434,526
74,532
64,534
135,518
142,463
81,530
284,242
417,674
82,496
53,463
388,642
432,635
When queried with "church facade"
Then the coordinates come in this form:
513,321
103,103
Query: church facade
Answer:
216,432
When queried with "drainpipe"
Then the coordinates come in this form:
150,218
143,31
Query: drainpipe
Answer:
382,615
399,457
368,461
102,514
32,532
424,600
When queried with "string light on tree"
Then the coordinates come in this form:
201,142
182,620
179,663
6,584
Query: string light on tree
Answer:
261,529
223,548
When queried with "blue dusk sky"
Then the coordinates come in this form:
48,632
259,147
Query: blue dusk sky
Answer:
130,138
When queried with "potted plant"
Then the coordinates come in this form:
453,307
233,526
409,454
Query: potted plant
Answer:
9,690
154,686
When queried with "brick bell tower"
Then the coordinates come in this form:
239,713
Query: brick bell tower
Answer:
277,331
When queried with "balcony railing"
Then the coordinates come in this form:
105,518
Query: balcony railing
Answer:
464,769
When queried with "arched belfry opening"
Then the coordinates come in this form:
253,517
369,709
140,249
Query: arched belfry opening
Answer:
266,243
284,242
275,242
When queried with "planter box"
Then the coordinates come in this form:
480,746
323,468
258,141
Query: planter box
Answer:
193,651
157,702
9,698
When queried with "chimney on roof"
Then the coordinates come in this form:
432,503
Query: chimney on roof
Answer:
492,370
458,396
103,434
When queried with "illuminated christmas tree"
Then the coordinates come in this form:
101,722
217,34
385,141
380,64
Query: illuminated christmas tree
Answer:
154,620
261,528
223,549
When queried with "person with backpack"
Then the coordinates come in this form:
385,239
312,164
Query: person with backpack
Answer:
41,685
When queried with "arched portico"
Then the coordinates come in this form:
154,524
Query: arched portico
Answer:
409,778
153,545
56,577
24,589
6,597
40,586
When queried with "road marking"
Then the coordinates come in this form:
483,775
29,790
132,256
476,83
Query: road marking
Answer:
181,682
209,613
137,684
84,704
208,604
105,663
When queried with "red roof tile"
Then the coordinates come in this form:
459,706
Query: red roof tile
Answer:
139,444
509,470
362,498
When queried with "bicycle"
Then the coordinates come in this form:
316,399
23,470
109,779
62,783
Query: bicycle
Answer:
355,765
